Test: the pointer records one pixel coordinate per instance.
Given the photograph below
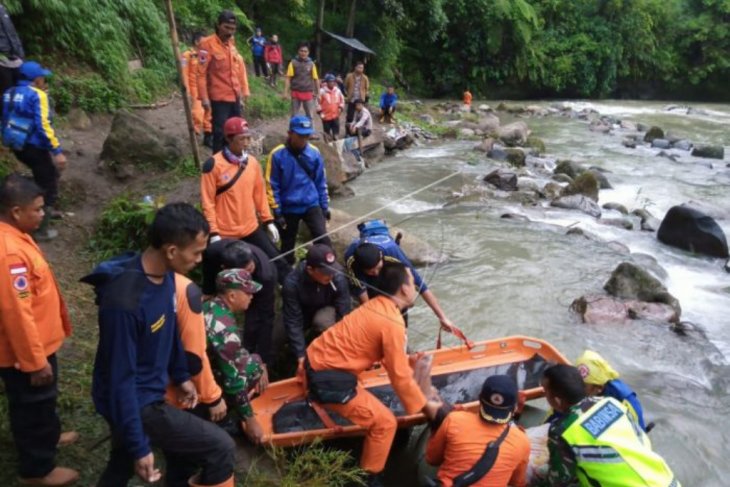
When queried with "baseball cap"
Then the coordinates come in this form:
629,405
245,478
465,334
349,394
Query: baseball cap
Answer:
31,70
226,17
301,124
322,258
367,255
236,126
236,279
498,399
329,77
594,369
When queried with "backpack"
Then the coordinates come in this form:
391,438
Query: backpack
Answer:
376,231
17,129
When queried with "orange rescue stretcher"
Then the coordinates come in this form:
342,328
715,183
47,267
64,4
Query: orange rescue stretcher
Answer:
457,373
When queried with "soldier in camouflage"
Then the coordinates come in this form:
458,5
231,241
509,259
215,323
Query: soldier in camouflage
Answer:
237,371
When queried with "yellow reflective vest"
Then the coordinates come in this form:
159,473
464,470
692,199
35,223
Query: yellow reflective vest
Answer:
612,451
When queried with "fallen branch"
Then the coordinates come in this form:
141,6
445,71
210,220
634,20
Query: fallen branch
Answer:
152,106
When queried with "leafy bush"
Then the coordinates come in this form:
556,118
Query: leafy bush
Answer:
122,226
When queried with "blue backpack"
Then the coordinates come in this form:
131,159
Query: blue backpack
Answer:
17,129
376,231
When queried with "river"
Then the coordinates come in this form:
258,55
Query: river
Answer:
508,277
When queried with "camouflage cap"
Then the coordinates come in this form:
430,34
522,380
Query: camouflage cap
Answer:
236,279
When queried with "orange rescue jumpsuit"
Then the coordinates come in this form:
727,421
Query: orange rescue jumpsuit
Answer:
191,326
460,442
33,316
190,68
235,213
222,72
467,97
374,332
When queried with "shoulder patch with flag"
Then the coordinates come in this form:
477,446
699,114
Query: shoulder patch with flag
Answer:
16,269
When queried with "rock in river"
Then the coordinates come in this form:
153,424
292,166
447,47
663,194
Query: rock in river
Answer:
616,206
599,309
653,133
503,179
661,144
709,151
585,184
578,202
690,229
569,168
629,281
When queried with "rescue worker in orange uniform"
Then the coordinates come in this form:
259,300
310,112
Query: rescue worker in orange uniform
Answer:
374,332
234,198
460,441
33,325
222,82
467,98
190,68
191,327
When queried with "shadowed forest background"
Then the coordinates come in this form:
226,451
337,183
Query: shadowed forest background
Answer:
677,49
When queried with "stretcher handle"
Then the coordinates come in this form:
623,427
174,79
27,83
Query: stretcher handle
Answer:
458,334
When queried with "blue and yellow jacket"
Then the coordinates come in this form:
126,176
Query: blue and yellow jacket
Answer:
296,183
32,103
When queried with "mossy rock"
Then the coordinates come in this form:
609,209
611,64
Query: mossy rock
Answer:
629,281
516,157
536,143
502,107
653,133
569,168
562,178
585,184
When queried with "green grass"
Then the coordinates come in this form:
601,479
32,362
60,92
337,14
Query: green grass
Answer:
265,101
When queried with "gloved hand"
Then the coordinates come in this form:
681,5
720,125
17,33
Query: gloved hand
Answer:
327,214
214,238
273,232
280,222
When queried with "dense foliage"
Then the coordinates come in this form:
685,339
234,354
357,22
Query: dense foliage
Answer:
515,48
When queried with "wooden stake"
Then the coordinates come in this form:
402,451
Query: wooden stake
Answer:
183,89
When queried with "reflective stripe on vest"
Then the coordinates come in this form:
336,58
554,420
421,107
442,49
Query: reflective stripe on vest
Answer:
611,451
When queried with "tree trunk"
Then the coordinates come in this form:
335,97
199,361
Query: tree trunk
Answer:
351,30
318,33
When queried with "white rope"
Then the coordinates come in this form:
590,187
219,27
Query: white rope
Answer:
369,214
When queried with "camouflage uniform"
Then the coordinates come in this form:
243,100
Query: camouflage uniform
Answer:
562,462
235,369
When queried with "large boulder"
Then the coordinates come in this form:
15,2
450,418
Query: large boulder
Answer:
537,144
709,151
600,176
335,163
78,119
682,144
599,309
134,142
419,252
585,184
690,229
578,202
488,122
503,179
569,168
661,144
629,281
513,134
516,157
653,133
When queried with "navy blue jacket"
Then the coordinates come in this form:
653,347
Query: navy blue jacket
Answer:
621,391
361,282
296,183
139,346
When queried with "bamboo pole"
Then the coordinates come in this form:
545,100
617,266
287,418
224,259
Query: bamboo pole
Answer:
183,89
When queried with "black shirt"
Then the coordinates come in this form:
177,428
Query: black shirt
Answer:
264,273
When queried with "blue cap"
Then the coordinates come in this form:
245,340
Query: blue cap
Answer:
31,70
329,77
498,399
301,124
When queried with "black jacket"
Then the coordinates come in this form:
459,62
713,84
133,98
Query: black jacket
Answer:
265,273
302,298
10,44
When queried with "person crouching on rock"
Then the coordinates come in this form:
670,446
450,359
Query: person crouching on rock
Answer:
238,372
234,196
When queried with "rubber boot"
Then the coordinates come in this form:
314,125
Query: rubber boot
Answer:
193,482
208,140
